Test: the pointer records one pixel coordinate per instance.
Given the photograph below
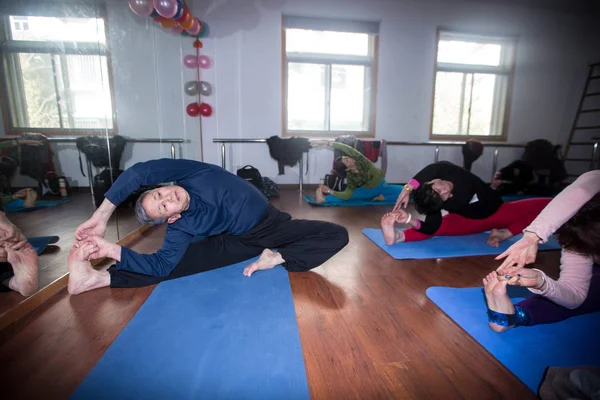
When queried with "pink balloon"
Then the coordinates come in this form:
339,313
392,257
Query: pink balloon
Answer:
204,62
141,7
195,29
176,29
190,61
166,8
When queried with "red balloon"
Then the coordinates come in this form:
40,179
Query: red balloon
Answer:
184,15
205,110
193,109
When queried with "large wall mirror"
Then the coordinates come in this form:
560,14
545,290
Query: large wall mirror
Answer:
87,89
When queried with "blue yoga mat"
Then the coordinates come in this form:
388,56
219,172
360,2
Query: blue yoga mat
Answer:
447,246
525,351
17,205
349,203
41,242
214,335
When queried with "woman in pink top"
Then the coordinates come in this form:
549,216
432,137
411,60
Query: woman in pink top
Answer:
575,216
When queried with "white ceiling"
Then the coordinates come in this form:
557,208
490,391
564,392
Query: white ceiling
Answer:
564,5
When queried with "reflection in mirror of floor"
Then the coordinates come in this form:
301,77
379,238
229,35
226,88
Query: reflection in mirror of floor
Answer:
367,329
61,221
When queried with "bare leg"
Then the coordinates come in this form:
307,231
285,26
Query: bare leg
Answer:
82,276
25,267
267,260
319,196
498,235
378,198
497,298
30,198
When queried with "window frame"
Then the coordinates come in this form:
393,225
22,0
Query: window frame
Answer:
66,48
508,71
328,59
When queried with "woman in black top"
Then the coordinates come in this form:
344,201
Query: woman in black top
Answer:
473,207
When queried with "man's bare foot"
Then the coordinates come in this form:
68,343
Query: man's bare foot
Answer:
267,260
25,267
319,196
497,298
82,276
30,198
379,198
498,235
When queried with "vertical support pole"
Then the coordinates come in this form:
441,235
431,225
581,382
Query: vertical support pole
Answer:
223,155
173,151
436,155
301,173
495,162
89,169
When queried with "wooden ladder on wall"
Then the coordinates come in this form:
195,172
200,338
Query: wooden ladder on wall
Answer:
578,144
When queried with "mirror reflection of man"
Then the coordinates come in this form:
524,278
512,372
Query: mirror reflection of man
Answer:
234,219
18,260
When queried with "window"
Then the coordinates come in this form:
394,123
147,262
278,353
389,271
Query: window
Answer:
329,76
472,84
55,74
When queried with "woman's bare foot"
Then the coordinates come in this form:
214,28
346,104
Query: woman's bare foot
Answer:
388,227
498,235
319,196
82,276
30,198
267,260
497,298
378,198
25,266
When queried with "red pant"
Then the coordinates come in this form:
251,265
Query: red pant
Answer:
514,216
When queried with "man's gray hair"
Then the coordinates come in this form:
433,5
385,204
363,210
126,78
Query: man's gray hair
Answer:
142,215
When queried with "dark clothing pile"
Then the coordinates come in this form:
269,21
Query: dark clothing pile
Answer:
471,151
288,152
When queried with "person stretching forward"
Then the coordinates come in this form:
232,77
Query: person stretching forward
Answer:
233,218
473,207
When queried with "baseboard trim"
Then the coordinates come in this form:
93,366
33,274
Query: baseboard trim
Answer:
32,302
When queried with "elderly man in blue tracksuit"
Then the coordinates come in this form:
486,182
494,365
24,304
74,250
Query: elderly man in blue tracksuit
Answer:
234,219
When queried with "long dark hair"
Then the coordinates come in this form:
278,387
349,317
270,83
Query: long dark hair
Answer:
581,234
427,200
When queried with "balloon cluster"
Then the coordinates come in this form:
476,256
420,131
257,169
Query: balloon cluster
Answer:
193,88
170,14
198,88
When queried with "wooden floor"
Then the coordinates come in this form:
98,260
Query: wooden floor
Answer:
61,221
367,329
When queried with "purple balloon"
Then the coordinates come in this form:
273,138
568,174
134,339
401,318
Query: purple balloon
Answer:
204,62
190,61
166,8
141,7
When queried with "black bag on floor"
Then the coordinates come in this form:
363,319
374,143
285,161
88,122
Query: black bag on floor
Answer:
252,175
102,182
335,182
269,188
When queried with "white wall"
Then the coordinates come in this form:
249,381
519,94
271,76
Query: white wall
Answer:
553,52
245,46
